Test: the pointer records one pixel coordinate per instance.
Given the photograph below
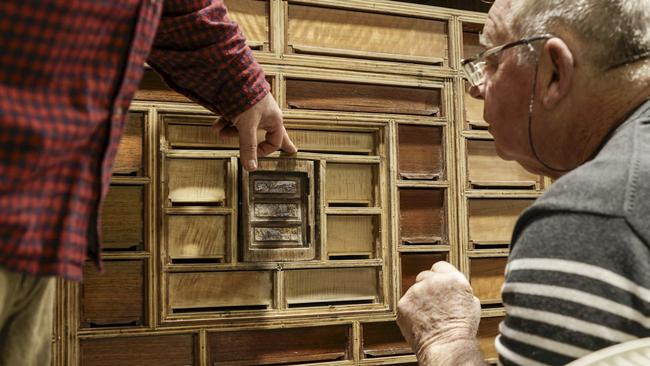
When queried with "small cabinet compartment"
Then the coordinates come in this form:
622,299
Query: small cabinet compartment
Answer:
159,350
350,185
194,292
357,97
123,218
327,287
115,298
473,107
200,182
278,211
129,159
414,263
492,221
422,216
383,339
196,238
369,35
352,236
420,152
253,18
487,170
488,330
286,346
486,275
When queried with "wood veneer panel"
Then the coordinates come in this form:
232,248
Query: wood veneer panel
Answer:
492,221
486,277
129,154
196,181
253,18
488,330
382,339
414,263
197,237
159,350
351,236
123,218
420,152
279,346
422,216
487,170
325,287
350,184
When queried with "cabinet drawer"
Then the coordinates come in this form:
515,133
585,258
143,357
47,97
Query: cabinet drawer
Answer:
123,218
159,350
369,35
492,221
420,152
279,346
352,236
414,263
383,339
488,330
327,287
197,238
253,18
487,170
357,97
350,185
114,298
422,216
129,159
219,291
196,181
486,275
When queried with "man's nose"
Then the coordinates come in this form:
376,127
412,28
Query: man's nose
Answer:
477,91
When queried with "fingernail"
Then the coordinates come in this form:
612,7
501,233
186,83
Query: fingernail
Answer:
252,165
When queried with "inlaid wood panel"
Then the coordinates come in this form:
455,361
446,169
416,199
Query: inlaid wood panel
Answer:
488,330
352,33
383,339
487,170
196,181
332,286
492,221
350,184
130,152
357,97
197,238
115,298
123,218
473,111
219,291
194,132
279,346
159,350
422,216
420,152
414,263
486,275
352,236
253,18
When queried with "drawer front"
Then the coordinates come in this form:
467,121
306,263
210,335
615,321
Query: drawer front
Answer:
420,152
486,277
159,350
336,286
422,213
123,218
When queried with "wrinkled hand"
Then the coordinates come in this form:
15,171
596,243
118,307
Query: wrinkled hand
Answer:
438,309
264,115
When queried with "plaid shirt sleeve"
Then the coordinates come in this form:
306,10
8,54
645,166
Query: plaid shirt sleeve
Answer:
202,54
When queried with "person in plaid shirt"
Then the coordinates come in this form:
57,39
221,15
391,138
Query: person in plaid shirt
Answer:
68,71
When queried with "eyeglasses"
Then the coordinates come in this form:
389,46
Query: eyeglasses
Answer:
475,67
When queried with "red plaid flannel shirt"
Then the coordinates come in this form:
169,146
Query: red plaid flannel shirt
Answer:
68,71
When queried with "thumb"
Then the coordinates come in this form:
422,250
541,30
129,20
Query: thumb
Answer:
443,267
248,148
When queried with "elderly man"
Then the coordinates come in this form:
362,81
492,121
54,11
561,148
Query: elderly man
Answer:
566,86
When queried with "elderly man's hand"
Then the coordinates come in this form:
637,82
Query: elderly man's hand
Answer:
264,115
438,310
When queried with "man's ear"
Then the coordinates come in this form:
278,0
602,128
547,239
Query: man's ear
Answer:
562,71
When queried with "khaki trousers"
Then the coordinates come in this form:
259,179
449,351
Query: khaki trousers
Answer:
26,311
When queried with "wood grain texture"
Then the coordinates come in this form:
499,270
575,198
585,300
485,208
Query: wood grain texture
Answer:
488,330
355,97
402,37
196,236
129,154
486,277
350,184
473,111
199,181
491,221
331,286
422,215
210,290
114,298
383,339
123,218
471,44
352,235
252,17
487,169
279,346
203,136
159,350
420,152
414,263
